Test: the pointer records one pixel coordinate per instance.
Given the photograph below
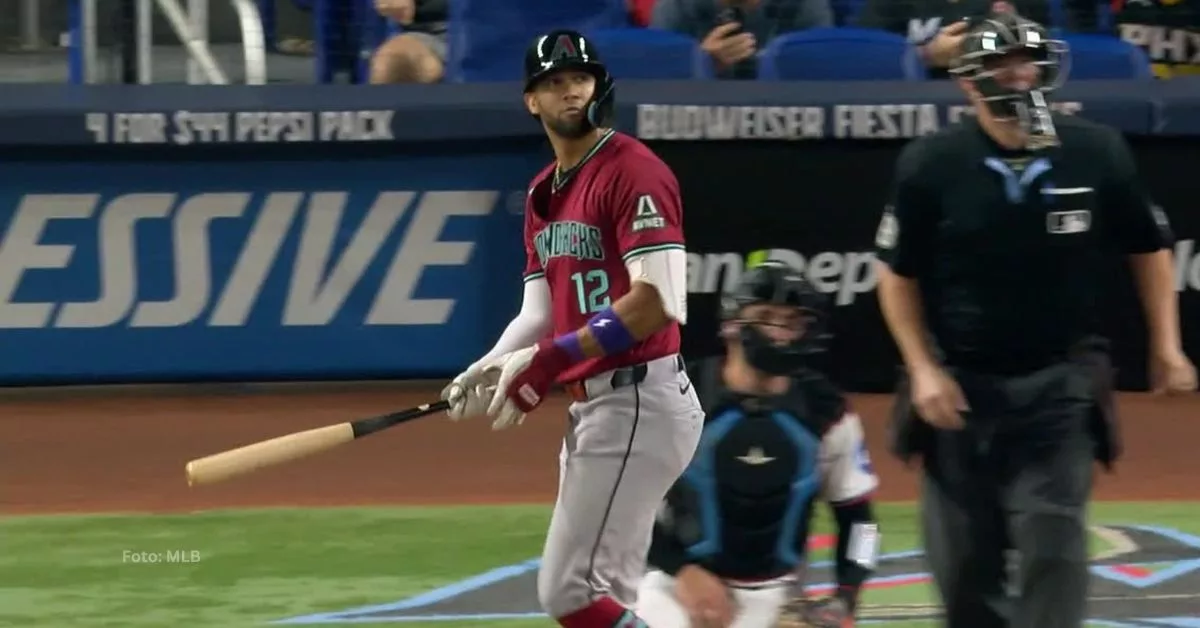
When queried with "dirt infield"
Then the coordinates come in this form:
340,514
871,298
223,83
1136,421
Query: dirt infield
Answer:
99,452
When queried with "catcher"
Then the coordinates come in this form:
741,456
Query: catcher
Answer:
729,544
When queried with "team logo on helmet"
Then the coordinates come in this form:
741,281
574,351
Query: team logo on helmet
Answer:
564,48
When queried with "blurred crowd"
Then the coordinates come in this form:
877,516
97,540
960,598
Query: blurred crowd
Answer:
734,32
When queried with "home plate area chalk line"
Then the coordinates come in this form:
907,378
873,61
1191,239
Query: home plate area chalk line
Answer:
1148,578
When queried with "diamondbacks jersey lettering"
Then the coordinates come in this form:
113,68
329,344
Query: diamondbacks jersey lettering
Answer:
583,225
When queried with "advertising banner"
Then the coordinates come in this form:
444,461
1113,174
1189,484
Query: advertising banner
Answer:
817,207
201,233
142,271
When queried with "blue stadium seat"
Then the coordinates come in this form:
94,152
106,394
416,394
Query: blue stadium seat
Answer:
1061,22
1099,57
650,54
840,54
486,39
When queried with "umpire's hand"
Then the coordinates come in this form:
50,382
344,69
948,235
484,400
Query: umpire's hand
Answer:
937,397
1172,373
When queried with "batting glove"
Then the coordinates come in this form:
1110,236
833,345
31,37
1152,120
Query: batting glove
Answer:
829,612
525,377
469,393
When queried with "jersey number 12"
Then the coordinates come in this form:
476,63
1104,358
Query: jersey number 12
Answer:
591,289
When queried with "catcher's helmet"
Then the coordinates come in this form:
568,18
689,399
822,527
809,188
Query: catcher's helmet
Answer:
1003,34
776,283
569,50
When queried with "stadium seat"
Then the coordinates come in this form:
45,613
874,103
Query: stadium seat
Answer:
840,54
1099,57
650,54
1060,20
487,38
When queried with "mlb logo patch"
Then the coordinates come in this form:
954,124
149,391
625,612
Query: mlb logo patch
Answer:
1075,221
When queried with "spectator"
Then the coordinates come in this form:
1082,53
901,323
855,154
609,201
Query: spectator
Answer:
938,26
417,55
639,12
733,31
1168,31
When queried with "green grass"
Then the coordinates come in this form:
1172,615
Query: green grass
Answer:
258,566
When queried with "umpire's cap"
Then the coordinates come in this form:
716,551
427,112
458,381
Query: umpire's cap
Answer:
570,50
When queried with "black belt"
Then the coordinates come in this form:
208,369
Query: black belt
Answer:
621,377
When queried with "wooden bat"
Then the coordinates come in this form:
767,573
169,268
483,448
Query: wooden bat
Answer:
234,462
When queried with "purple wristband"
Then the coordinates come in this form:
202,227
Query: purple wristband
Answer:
570,345
610,333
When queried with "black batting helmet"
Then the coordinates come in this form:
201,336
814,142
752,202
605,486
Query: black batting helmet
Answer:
776,283
570,50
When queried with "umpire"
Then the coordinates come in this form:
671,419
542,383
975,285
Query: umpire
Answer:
990,253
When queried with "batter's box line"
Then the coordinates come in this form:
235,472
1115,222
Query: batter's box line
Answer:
473,583
499,574
428,598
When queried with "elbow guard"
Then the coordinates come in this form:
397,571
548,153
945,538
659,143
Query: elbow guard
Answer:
666,270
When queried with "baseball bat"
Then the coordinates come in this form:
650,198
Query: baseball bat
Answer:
242,460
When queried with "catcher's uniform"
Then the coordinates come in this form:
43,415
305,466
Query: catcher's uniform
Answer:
742,508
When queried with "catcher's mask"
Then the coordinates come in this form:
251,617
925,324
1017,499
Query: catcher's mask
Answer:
776,345
992,48
568,50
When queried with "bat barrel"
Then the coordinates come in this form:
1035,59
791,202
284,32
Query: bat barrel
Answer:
243,460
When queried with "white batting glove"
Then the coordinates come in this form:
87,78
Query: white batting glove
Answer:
503,411
469,393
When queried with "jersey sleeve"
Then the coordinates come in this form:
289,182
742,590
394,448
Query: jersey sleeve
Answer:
906,233
533,262
647,209
846,474
1134,223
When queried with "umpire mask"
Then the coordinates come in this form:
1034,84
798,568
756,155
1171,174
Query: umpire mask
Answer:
777,345
1015,64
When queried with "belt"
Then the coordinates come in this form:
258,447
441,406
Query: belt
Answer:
620,378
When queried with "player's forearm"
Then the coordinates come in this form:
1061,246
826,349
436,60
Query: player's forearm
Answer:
529,325
1155,277
634,317
523,330
900,303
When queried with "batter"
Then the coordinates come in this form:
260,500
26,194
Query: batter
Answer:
729,546
605,295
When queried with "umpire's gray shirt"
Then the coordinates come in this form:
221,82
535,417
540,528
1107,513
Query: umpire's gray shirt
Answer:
770,18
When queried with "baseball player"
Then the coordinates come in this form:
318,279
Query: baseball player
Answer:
605,295
991,252
730,540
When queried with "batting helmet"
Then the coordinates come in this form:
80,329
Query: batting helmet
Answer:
569,50
776,283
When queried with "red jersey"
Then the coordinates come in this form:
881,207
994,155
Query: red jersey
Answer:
582,225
